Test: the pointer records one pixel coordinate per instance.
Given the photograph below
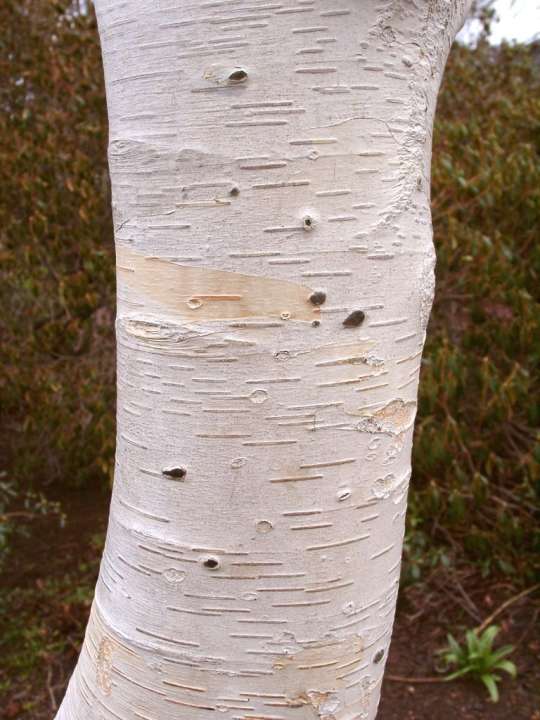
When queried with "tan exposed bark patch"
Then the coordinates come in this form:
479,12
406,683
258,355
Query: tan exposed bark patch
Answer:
323,703
320,655
107,650
104,665
313,676
392,419
198,294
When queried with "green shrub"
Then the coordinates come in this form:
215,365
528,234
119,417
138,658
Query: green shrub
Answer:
478,659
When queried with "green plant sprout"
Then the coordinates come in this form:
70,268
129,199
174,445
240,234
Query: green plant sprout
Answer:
478,659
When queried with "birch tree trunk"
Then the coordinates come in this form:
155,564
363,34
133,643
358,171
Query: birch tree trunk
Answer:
270,166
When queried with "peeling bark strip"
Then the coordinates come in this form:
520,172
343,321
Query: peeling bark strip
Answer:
270,180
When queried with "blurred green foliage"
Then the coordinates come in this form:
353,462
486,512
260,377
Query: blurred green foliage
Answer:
477,452
56,252
42,626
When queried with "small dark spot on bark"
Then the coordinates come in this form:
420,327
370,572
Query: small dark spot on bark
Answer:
175,472
318,297
315,323
378,656
234,191
212,563
355,319
282,355
308,223
238,76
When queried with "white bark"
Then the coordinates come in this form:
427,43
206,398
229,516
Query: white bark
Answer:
265,155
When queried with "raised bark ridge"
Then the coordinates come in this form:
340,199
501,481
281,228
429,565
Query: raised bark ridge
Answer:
270,174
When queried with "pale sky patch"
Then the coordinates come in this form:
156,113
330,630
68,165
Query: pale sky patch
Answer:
518,20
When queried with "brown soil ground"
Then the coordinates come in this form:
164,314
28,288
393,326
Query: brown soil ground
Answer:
412,690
